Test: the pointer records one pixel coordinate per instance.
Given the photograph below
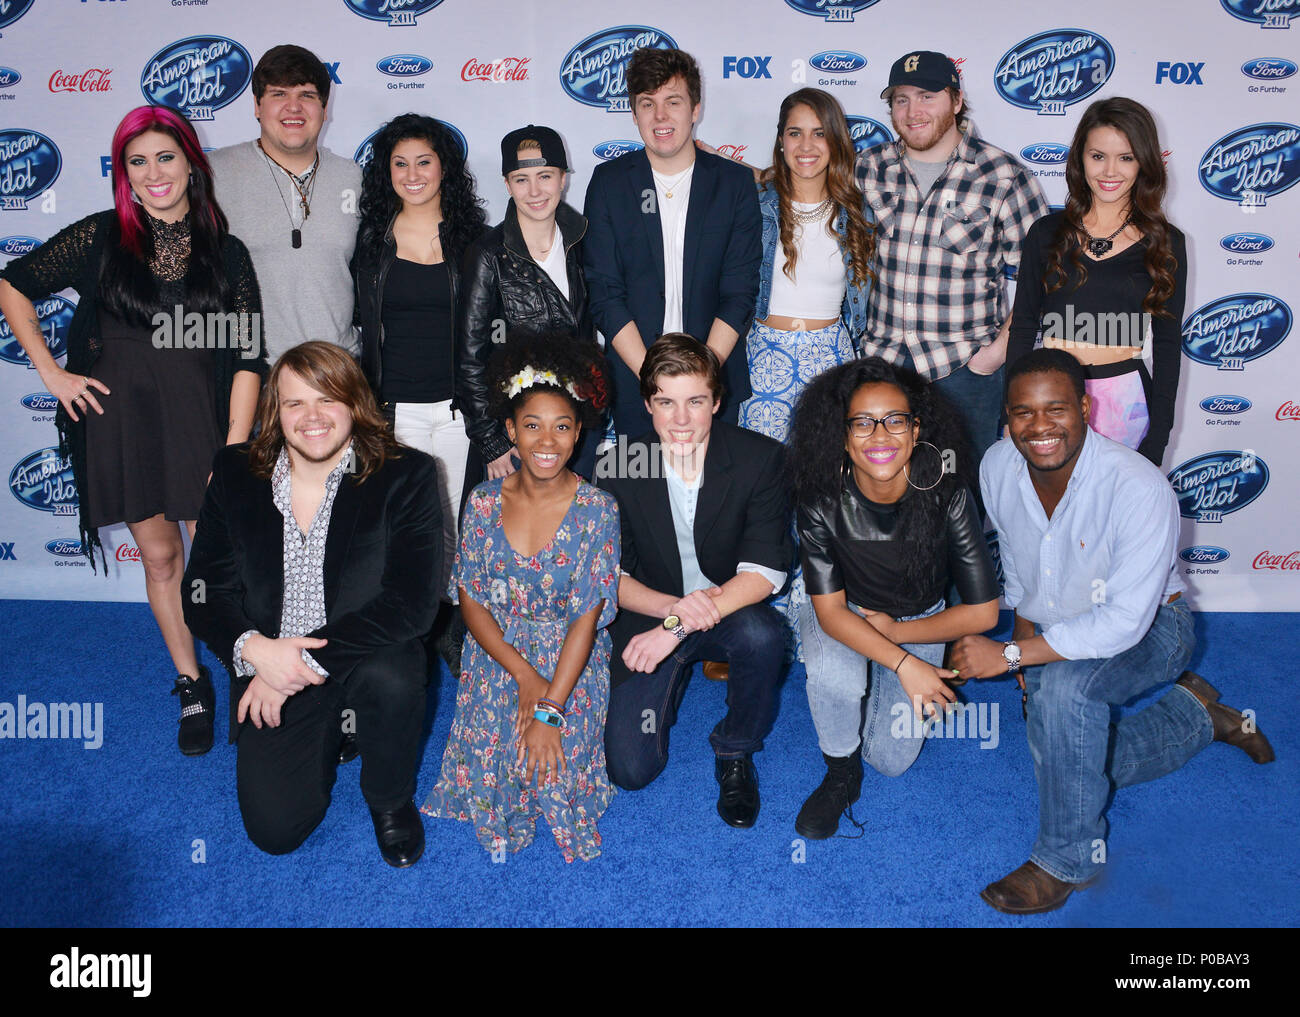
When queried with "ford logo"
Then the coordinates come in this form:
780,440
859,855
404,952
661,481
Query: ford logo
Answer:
366,150
838,61
1225,405
396,12
1252,163
1247,243
29,163
1265,13
1045,153
1269,68
16,247
404,65
198,75
43,480
594,72
55,314
1217,483
64,547
831,10
12,10
9,76
1227,332
1052,70
1203,554
867,133
613,149
40,402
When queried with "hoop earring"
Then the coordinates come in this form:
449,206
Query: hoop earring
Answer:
908,478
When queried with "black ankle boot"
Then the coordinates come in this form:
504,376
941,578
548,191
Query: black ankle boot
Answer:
198,709
449,638
820,816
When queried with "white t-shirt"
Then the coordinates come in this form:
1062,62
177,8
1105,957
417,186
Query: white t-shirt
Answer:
554,264
672,221
820,276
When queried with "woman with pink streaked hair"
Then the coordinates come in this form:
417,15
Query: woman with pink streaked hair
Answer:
164,363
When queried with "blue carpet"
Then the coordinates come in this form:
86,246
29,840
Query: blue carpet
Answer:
134,834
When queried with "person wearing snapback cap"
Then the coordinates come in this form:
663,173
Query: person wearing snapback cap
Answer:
526,274
951,213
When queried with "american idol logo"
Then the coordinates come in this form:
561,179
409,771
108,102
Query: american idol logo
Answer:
1203,554
1228,332
838,61
397,13
404,65
1252,163
594,72
867,133
1265,13
613,149
64,547
1247,243
198,75
55,314
16,247
831,10
1225,405
12,10
1269,68
1045,153
366,150
43,480
40,402
1052,70
9,77
29,163
1212,485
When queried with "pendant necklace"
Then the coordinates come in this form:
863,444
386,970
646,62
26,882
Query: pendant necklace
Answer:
1099,247
668,187
305,192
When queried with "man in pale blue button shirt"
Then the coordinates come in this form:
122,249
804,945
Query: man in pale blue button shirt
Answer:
1088,531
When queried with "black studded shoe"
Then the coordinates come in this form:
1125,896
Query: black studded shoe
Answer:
198,708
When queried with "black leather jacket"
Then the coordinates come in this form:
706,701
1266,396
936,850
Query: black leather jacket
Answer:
504,285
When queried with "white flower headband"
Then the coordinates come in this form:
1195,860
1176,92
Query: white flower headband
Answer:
530,376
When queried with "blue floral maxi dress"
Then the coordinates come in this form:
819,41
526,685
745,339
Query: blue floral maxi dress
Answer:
534,600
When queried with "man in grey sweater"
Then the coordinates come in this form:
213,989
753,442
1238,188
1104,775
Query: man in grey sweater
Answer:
294,205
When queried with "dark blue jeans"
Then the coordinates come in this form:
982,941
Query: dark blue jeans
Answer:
978,397
643,707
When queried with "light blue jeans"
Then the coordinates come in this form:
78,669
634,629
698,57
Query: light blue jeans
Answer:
838,678
1079,755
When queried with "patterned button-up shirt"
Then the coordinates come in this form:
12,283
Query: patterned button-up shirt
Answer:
303,609
941,257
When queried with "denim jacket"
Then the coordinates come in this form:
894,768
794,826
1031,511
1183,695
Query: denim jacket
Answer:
854,310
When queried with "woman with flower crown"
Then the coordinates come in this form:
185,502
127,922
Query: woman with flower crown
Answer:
536,577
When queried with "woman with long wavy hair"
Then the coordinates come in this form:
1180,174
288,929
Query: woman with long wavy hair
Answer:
886,522
142,408
420,212
1106,279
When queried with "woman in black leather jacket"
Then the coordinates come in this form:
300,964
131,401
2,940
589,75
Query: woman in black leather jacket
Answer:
523,275
885,525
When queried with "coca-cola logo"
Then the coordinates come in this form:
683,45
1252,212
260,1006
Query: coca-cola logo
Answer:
1288,411
1279,562
94,80
502,69
736,152
128,553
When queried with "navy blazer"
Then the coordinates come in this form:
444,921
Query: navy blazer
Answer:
383,558
624,259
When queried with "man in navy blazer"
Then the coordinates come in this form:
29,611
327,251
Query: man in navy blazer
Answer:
675,239
314,578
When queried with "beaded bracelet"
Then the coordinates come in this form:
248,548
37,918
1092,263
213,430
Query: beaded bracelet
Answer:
553,703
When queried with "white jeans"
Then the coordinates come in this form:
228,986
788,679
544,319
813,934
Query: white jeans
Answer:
436,429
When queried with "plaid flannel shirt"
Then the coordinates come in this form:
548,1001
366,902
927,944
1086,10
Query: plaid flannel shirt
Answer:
941,257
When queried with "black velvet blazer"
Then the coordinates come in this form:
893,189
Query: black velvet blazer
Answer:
383,558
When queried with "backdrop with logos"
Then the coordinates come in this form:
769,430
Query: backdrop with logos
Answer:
1219,75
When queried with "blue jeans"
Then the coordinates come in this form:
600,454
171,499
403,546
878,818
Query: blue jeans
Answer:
838,678
1079,755
978,398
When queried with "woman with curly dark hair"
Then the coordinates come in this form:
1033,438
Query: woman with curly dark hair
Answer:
885,522
1106,279
536,576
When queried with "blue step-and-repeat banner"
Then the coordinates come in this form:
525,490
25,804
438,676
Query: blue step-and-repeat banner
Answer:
1220,76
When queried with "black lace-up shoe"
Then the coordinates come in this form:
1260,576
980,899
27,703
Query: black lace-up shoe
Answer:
820,816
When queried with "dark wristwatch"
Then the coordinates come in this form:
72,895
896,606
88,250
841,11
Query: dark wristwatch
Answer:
674,625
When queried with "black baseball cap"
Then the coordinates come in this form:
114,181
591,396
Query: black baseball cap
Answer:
552,150
924,69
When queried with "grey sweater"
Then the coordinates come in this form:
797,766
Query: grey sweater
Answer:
306,293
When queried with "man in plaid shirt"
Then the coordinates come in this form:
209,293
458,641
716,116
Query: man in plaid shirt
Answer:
951,212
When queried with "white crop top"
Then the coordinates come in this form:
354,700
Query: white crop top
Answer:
820,275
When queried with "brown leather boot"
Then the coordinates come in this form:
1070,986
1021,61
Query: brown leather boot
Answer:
716,670
1030,891
1229,725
